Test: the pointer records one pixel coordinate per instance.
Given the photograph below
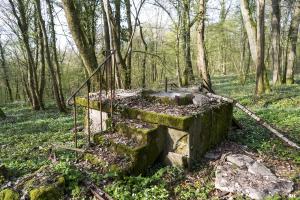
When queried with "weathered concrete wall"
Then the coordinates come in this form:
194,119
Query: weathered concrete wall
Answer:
208,129
95,122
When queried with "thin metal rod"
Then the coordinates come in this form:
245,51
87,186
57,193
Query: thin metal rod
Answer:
100,101
75,121
88,79
106,77
166,84
111,89
88,112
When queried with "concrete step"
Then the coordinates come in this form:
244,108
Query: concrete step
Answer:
141,153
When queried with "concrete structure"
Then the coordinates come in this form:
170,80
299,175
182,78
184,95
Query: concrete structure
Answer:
175,127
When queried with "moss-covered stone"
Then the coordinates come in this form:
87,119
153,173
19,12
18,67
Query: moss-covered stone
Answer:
9,194
3,174
53,191
140,134
105,166
181,123
2,115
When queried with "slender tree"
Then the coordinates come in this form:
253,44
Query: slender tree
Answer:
84,41
201,60
256,37
59,102
275,34
19,12
5,72
292,44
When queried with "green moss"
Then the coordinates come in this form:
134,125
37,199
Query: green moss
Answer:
82,101
4,174
9,194
2,115
140,134
181,123
49,192
107,167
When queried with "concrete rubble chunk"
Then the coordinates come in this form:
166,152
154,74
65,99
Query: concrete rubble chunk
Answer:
241,174
240,160
201,100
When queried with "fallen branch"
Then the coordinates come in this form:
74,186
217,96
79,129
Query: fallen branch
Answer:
97,192
256,118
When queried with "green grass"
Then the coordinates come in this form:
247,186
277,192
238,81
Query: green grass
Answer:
26,137
281,108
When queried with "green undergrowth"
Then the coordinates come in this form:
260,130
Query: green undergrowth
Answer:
281,108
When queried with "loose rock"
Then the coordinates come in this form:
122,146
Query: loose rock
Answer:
242,174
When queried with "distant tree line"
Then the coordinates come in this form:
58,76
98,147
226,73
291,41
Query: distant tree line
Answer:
242,37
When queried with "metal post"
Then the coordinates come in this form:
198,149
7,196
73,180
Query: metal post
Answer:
111,88
100,102
88,112
75,121
166,84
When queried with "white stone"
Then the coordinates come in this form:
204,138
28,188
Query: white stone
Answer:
241,174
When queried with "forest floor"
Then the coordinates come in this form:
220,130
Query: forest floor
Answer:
26,136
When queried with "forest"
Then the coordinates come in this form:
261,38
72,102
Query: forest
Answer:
239,52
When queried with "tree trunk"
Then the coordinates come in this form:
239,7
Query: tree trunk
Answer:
61,105
23,26
54,50
86,50
5,73
144,58
275,34
129,57
202,61
250,28
186,45
292,44
260,86
43,68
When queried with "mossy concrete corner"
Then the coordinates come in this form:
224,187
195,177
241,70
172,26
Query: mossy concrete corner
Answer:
2,115
53,191
9,194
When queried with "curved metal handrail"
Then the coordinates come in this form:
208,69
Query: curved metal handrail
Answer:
89,78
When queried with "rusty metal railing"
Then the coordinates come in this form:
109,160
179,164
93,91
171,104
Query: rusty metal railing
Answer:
108,65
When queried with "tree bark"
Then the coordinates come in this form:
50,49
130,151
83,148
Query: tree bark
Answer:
43,67
292,44
275,34
129,57
86,50
60,104
250,28
201,60
260,86
186,45
22,22
54,51
5,73
144,58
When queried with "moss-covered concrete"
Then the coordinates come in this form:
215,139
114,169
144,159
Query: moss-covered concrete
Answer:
177,122
142,156
208,129
9,194
3,174
2,115
106,167
140,134
191,136
52,191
